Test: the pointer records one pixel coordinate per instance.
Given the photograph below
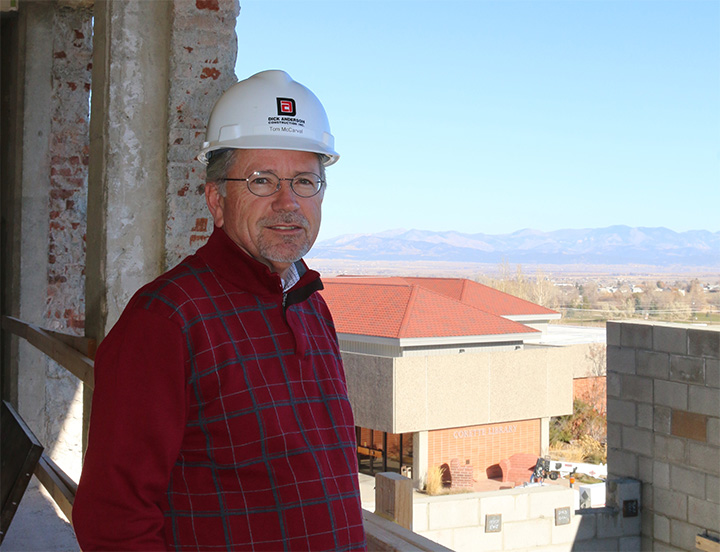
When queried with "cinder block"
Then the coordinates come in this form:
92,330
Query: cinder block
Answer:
712,373
683,534
653,364
703,513
612,333
614,435
614,384
672,504
687,369
622,463
468,539
645,415
713,431
661,475
645,469
691,482
543,504
662,416
670,339
705,342
712,489
621,360
636,335
670,393
705,457
669,448
661,528
528,534
622,412
513,507
637,440
420,516
610,525
630,544
704,400
636,388
453,513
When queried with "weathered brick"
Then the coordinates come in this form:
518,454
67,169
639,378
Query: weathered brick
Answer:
661,475
691,482
672,394
670,503
670,339
636,335
612,332
704,400
703,456
687,369
662,416
705,342
636,388
637,440
622,412
621,360
653,364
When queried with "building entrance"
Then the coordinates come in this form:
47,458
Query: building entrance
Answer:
380,451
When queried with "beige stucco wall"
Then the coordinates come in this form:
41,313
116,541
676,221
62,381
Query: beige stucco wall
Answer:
422,393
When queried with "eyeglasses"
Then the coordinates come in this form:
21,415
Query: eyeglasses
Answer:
264,184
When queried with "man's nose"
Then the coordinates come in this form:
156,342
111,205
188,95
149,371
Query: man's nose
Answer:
285,199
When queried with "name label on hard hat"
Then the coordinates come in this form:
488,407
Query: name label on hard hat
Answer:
286,120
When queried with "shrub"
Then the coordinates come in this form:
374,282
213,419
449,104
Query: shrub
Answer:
434,480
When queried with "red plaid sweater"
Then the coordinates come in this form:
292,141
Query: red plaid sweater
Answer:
220,419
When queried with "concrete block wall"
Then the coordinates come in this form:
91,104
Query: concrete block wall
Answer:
528,520
664,426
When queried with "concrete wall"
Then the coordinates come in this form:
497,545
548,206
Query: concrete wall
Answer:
664,426
403,395
157,69
528,520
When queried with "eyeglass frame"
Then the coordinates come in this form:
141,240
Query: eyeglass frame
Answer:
321,183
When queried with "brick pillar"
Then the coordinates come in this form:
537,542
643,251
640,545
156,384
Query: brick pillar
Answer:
203,53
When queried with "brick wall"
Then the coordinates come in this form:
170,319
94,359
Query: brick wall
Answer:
663,393
204,48
483,445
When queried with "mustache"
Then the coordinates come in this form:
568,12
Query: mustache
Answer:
285,219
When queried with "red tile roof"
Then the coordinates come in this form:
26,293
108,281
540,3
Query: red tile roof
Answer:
411,308
481,296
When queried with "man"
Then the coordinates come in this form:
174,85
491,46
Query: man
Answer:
220,416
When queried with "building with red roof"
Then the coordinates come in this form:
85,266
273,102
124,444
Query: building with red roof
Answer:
446,372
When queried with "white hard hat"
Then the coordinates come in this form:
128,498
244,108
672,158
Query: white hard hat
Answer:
269,111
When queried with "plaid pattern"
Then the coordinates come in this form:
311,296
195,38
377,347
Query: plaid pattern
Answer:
266,455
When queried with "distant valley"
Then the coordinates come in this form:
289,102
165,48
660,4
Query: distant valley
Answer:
611,246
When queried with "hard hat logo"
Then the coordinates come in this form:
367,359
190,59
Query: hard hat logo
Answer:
261,111
286,106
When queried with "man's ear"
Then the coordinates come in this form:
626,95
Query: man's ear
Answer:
215,203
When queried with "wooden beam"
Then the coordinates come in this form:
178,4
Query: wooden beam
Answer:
46,341
62,489
706,543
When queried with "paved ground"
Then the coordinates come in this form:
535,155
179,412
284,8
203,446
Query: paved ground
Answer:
38,525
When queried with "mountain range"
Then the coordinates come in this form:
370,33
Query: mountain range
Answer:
614,245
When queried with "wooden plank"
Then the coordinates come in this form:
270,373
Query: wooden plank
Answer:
62,489
706,543
385,536
69,358
370,452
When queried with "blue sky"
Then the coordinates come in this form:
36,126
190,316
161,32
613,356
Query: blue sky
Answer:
494,116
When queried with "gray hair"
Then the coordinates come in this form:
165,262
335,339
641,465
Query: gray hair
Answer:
220,162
